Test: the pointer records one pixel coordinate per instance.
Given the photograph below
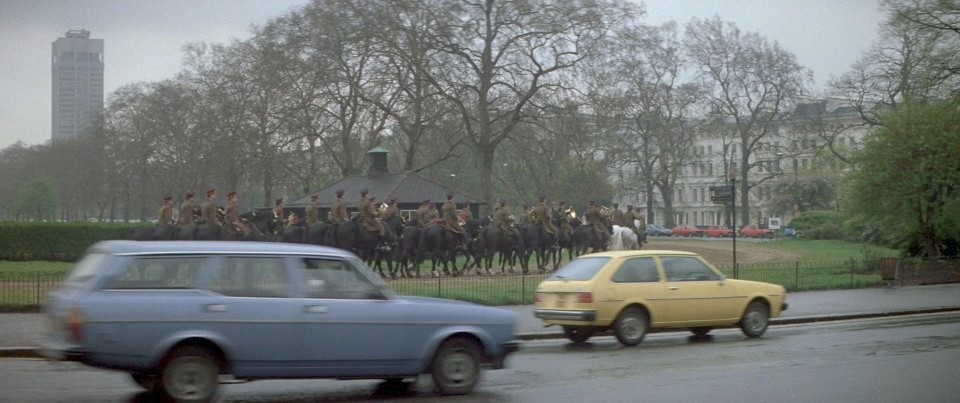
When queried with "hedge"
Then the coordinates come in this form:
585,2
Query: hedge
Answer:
59,242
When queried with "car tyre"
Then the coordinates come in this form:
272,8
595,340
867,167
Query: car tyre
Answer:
456,366
190,374
631,326
755,319
578,334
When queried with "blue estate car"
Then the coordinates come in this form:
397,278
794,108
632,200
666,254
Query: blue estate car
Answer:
176,315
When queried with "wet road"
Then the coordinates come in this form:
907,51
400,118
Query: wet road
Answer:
912,358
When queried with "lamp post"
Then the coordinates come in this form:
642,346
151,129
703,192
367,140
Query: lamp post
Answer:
733,189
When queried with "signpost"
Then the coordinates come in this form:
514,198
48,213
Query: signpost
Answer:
721,194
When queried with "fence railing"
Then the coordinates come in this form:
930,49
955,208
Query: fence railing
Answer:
27,291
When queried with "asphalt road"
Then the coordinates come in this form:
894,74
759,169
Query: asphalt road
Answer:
893,359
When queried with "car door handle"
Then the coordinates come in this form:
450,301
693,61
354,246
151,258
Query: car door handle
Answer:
315,309
215,308
672,288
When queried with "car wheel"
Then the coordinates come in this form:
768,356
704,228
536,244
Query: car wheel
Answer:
631,326
755,319
700,331
456,366
146,381
578,334
190,374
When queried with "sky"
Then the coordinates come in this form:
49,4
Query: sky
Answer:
143,39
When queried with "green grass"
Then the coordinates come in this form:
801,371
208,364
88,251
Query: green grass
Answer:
7,267
829,251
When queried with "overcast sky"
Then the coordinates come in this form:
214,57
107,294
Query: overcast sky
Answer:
143,39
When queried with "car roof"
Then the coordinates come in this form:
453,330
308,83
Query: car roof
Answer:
212,247
631,253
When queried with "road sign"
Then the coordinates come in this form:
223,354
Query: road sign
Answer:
721,194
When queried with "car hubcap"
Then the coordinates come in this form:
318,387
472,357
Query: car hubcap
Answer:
755,321
458,367
190,379
632,327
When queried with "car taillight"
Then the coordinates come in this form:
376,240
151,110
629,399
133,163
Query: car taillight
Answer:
537,297
585,298
75,322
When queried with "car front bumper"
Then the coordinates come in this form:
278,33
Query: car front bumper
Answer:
60,351
498,362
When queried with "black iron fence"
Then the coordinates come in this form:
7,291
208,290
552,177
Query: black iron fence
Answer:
27,291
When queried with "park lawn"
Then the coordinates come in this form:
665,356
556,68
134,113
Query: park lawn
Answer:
36,266
830,250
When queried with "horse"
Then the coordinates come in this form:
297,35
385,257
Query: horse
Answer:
585,239
409,246
534,240
495,241
292,234
623,238
473,246
344,235
389,249
317,233
441,244
564,242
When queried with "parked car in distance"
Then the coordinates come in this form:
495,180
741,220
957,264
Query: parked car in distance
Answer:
687,230
178,315
634,292
718,231
657,230
754,231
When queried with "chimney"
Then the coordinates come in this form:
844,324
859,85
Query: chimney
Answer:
378,162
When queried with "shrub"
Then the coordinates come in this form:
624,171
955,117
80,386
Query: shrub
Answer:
59,242
828,231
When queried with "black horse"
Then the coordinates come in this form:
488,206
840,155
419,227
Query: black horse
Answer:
441,245
317,233
586,239
473,246
535,241
495,241
409,245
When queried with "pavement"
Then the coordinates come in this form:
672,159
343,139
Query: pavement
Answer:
20,333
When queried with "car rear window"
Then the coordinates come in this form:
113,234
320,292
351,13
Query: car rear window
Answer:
86,269
580,269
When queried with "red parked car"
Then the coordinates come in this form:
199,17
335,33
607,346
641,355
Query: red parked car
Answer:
687,230
754,231
718,231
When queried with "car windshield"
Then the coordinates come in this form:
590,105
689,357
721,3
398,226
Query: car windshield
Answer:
580,269
86,269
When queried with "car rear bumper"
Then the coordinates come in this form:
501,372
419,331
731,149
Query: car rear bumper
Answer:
555,314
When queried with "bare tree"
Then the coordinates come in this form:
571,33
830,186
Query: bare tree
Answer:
501,53
751,80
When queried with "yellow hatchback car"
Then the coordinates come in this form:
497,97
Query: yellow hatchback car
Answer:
632,292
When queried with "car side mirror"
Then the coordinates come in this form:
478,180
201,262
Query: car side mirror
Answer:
723,279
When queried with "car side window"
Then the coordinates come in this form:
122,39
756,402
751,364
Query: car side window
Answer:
247,276
336,279
170,272
687,269
639,270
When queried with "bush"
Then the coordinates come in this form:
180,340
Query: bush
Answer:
828,231
810,222
59,242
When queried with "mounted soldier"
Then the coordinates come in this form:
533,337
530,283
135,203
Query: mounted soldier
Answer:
424,214
368,215
526,214
541,216
233,227
450,221
338,210
503,221
313,216
186,210
280,220
616,216
165,216
629,219
209,209
595,218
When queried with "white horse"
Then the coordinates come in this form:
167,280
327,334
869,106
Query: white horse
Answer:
623,238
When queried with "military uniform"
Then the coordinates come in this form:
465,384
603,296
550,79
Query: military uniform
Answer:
526,215
424,214
502,220
389,212
232,217
165,215
338,211
541,216
368,217
313,216
449,214
186,211
616,217
209,209
595,218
